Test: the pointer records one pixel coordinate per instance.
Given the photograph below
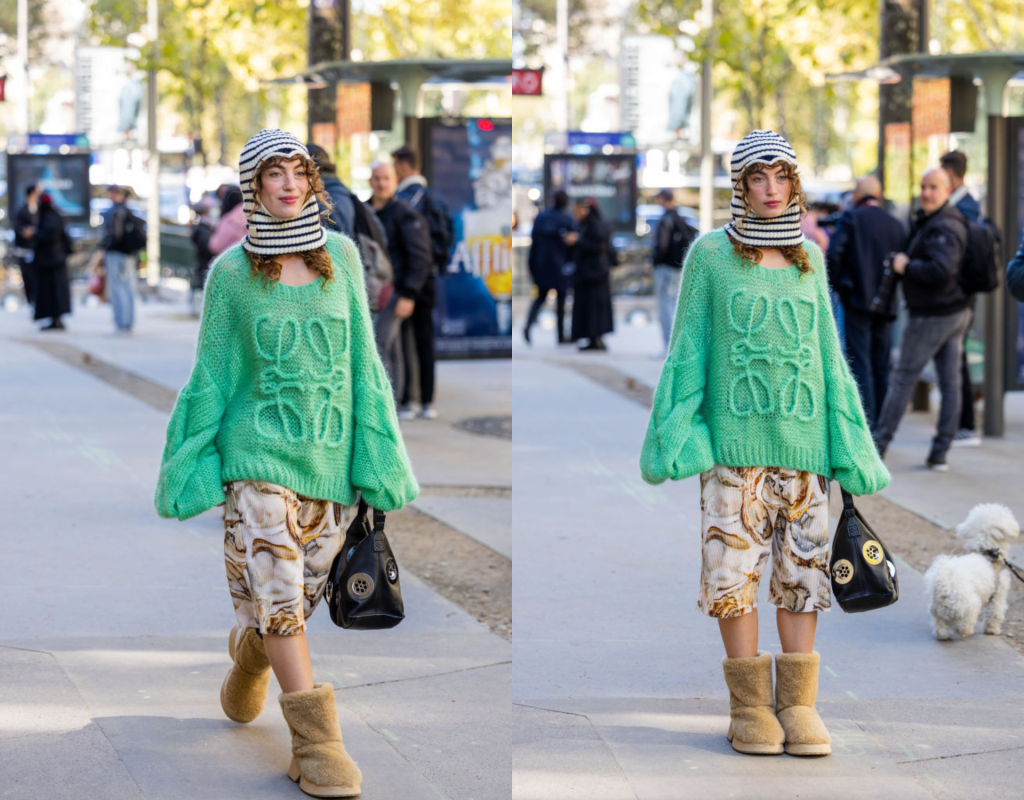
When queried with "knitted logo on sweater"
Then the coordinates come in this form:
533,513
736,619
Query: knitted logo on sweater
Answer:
303,375
774,347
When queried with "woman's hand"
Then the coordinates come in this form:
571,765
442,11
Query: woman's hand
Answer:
899,263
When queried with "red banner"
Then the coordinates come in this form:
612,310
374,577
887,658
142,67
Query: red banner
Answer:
526,81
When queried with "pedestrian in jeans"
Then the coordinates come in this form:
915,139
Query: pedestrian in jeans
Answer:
286,419
955,166
939,316
864,238
550,245
119,261
672,238
756,398
409,249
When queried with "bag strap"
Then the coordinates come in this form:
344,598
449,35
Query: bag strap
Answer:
363,507
847,500
378,521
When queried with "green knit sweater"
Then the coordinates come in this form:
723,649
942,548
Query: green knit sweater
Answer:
755,376
287,387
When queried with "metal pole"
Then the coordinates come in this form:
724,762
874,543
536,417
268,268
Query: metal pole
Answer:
707,163
153,206
562,26
993,422
26,117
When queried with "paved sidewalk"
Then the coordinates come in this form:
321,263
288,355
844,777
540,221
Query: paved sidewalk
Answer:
113,644
618,683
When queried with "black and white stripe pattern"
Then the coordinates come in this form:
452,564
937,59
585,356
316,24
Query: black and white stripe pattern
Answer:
269,235
762,147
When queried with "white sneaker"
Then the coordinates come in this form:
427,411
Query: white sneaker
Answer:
966,438
406,412
429,412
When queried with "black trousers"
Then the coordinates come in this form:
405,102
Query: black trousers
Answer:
418,344
538,304
966,387
868,344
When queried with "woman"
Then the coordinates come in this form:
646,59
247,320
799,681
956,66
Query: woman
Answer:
756,397
286,418
52,247
592,291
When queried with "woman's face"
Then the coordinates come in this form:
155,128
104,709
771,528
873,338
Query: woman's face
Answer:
579,211
769,191
284,188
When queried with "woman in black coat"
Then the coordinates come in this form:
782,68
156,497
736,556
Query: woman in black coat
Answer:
52,246
592,291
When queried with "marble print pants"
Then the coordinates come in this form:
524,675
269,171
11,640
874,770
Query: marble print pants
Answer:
278,549
749,512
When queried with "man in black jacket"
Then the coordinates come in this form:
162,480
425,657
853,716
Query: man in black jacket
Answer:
551,243
672,239
26,221
409,249
939,315
865,236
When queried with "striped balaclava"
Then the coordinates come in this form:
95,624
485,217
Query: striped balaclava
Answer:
269,235
763,147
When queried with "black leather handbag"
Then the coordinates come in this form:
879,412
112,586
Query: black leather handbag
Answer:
362,588
862,568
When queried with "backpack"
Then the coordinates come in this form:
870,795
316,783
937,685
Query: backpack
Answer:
682,237
133,237
378,273
979,271
439,221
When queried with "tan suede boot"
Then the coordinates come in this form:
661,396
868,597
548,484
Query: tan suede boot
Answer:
244,690
753,727
320,764
796,689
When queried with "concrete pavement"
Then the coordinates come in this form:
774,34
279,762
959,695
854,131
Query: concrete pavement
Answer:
618,683
113,644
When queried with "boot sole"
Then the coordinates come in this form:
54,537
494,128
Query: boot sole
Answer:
319,791
809,749
750,749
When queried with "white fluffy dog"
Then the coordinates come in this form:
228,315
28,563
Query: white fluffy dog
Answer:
961,586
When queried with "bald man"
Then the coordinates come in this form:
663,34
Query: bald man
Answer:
865,236
939,316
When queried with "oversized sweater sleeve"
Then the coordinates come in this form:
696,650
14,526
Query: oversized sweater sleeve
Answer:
380,466
190,472
678,440
852,454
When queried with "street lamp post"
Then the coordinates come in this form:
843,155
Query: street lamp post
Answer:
23,64
707,162
153,206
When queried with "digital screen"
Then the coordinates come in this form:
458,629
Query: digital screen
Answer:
610,180
64,177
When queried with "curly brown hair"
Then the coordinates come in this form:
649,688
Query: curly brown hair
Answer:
318,260
796,254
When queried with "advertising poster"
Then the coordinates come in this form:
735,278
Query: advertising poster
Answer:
469,164
65,177
611,180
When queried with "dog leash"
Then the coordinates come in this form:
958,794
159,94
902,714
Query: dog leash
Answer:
997,556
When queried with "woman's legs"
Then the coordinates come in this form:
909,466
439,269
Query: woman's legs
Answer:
289,658
739,635
796,630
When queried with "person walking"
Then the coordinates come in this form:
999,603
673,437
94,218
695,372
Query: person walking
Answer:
119,260
954,164
864,238
549,252
756,398
1015,274
231,227
341,212
409,249
26,221
286,419
52,248
592,290
930,268
672,239
418,329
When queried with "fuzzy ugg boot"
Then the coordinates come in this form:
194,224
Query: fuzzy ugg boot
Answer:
244,690
796,689
753,727
320,764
